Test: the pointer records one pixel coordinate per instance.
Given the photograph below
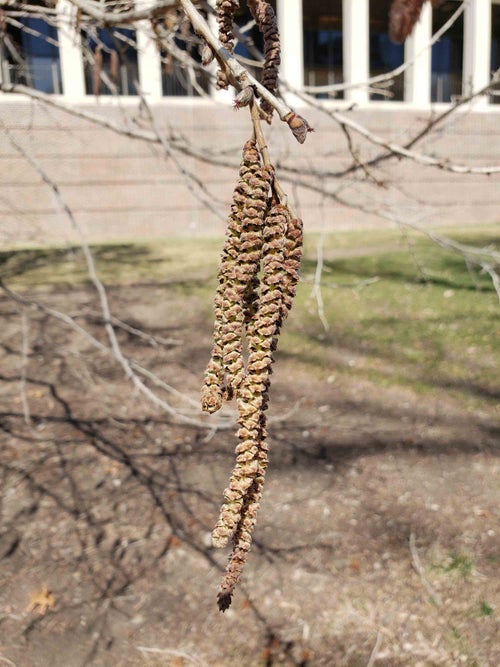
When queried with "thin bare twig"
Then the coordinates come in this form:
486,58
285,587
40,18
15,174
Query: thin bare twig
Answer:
495,278
239,75
419,569
7,661
176,653
396,150
24,364
126,365
176,415
154,341
316,291
375,650
95,11
194,184
356,157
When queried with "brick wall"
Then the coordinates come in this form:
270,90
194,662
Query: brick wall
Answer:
120,188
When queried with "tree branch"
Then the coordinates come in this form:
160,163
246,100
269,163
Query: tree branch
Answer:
117,18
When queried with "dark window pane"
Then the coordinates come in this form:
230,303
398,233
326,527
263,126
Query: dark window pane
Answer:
183,77
323,44
495,49
384,55
110,59
29,55
447,55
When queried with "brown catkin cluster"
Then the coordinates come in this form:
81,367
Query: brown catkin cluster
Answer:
266,20
237,279
257,281
225,10
402,18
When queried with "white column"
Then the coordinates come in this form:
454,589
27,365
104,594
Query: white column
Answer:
149,62
290,24
70,51
417,49
477,47
356,43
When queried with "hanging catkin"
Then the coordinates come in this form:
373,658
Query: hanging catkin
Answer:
266,20
241,546
96,71
262,233
280,253
294,240
237,279
257,281
250,198
251,458
225,10
402,18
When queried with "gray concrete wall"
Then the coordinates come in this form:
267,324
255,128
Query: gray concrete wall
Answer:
120,188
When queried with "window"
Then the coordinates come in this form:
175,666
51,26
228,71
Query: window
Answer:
29,52
495,49
110,61
447,54
323,44
384,55
182,72
178,80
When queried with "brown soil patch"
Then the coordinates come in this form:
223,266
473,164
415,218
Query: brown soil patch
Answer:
107,506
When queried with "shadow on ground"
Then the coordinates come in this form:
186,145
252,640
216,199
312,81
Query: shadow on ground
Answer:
373,494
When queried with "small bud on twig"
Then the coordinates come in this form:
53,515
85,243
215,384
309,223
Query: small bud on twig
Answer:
244,97
299,126
207,55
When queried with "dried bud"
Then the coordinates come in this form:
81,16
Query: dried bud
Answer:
207,55
171,19
403,16
244,97
299,126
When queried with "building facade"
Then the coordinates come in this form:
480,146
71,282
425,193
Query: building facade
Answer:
118,188
332,47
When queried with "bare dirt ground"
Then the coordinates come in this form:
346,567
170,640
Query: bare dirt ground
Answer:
377,541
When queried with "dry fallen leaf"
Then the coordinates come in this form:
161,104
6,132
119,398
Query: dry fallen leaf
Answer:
113,468
355,565
41,601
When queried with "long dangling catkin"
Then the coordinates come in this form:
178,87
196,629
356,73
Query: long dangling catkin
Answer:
239,294
281,253
96,71
257,281
214,386
238,279
225,10
266,20
242,542
294,240
251,459
281,256
262,327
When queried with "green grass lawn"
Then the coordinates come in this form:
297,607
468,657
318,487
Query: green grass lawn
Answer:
399,310
426,319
